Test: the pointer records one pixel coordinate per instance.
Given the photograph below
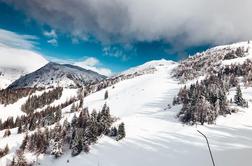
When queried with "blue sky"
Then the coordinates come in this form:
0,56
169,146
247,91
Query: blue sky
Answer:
60,44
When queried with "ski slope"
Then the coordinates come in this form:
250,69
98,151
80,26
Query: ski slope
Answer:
154,137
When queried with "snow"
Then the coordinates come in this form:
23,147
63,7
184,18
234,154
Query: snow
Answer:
67,94
54,74
147,66
14,110
15,62
233,45
246,45
154,137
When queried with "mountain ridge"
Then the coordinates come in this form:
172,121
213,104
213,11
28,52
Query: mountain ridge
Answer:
54,74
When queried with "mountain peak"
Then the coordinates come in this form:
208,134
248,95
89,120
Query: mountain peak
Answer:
148,66
54,74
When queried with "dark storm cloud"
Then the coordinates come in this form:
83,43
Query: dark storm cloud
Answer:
185,22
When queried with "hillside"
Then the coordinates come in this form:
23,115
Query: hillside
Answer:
143,99
213,59
54,74
154,132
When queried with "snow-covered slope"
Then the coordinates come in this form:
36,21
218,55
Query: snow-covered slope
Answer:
153,134
15,62
54,74
213,59
148,67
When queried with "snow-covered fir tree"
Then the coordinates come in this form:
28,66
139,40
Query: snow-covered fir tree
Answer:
106,95
238,99
121,131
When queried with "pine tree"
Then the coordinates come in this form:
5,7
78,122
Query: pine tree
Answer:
74,121
86,148
81,102
56,147
106,95
24,143
58,115
77,145
238,99
6,149
19,129
7,133
56,144
73,108
121,131
204,111
41,142
113,132
91,133
20,159
105,119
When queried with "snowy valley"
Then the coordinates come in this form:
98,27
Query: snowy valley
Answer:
150,100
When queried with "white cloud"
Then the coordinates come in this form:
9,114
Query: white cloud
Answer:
183,22
16,51
124,52
93,64
13,39
21,59
53,42
52,35
91,61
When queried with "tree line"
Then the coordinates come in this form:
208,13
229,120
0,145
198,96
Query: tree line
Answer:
10,96
48,116
76,135
34,101
203,101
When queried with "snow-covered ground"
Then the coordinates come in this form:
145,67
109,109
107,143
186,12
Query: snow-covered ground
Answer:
154,137
14,110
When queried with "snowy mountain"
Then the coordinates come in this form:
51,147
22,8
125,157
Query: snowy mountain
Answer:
148,67
53,74
15,62
213,59
154,133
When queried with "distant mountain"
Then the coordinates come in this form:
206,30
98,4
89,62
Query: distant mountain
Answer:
15,62
148,67
54,74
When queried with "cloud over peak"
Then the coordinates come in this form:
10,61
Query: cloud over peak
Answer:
91,63
182,22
